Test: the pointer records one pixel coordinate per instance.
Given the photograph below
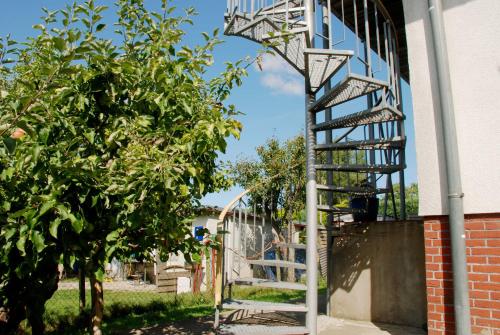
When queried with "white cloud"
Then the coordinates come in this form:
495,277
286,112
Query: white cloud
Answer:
280,77
282,84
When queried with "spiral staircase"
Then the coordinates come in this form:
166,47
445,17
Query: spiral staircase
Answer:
365,142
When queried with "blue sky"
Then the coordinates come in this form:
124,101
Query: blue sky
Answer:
272,101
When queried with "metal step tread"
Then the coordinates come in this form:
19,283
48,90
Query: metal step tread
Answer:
352,189
263,306
255,30
322,64
235,22
337,210
274,262
373,115
261,330
258,282
290,245
279,5
381,143
378,168
290,45
351,87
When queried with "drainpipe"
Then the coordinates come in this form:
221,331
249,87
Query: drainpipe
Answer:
455,195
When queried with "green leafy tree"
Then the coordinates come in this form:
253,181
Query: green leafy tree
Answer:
107,146
411,194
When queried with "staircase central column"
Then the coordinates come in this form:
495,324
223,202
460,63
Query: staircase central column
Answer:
311,195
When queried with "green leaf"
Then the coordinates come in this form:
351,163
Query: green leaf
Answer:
10,144
46,206
113,236
38,241
20,244
59,43
54,226
99,275
77,226
100,27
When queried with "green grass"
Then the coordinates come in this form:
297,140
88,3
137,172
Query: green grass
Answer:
129,310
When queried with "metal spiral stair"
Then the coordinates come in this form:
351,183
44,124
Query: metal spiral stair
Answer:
283,27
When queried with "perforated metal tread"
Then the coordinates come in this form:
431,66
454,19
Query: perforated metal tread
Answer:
255,30
291,46
373,115
322,64
235,22
252,305
384,143
336,210
277,6
352,189
261,330
351,87
280,263
358,168
269,284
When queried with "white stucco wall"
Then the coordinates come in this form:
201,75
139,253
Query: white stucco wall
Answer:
473,40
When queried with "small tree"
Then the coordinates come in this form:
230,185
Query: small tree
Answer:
107,147
411,194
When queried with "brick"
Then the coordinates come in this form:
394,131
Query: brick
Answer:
492,225
487,286
486,251
487,268
475,243
477,260
481,277
484,234
493,260
480,312
493,243
475,294
474,225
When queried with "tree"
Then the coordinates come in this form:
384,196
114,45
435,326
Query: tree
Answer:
107,147
411,193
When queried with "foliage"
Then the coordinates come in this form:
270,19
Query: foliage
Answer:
133,310
106,146
411,193
276,177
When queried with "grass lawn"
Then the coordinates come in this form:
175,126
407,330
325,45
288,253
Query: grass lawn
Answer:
128,310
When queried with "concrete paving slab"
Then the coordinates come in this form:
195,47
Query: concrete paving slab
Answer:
333,326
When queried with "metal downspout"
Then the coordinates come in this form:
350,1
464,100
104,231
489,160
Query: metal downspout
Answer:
455,195
311,195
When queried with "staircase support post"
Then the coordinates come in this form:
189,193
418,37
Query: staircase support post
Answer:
311,196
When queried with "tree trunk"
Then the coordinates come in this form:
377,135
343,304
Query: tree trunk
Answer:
97,294
81,277
291,252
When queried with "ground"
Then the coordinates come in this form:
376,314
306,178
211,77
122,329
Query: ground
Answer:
326,326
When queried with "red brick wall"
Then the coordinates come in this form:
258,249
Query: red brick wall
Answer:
483,263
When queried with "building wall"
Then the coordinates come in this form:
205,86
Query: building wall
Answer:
379,273
483,263
472,32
